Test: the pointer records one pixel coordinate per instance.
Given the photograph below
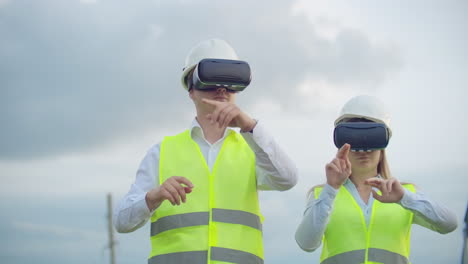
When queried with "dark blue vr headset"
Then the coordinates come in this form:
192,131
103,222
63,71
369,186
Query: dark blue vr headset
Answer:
209,74
362,136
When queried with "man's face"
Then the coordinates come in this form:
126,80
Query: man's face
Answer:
220,94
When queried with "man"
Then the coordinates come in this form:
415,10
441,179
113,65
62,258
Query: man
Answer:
200,187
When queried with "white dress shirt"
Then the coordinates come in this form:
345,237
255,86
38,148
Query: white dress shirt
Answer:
427,213
274,171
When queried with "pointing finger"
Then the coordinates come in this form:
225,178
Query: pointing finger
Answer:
343,152
210,102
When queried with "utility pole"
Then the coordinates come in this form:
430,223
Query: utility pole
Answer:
465,240
110,229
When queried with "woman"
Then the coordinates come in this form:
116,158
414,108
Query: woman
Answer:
362,213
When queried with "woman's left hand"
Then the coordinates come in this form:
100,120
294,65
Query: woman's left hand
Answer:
391,189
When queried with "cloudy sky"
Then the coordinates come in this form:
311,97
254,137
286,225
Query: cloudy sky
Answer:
87,87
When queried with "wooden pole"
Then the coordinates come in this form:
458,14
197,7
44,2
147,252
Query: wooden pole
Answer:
110,229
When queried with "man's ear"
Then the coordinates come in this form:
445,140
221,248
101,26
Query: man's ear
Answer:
191,93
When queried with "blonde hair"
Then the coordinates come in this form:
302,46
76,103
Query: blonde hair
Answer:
311,191
383,168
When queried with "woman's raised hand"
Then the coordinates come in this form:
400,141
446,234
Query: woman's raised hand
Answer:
339,169
392,190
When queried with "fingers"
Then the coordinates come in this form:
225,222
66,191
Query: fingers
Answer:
210,102
337,164
227,114
388,190
180,188
345,166
337,172
348,167
375,182
173,196
391,189
333,173
183,180
341,166
385,186
343,151
214,116
223,113
389,184
332,167
377,196
174,191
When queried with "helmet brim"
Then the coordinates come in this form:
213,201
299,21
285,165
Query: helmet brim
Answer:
376,120
186,72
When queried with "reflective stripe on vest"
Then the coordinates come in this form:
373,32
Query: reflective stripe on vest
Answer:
385,256
178,221
234,256
350,257
237,217
374,255
200,257
195,257
202,218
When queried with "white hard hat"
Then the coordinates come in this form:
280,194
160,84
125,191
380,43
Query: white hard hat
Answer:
368,107
212,48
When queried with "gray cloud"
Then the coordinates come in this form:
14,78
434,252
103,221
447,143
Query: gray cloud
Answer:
74,76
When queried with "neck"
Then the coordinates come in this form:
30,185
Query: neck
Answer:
358,178
212,132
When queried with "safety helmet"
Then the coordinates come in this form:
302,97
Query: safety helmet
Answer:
212,48
368,107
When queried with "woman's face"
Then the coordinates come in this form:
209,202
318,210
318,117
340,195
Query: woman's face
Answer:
364,161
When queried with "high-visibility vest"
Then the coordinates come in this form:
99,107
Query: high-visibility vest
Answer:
220,221
348,239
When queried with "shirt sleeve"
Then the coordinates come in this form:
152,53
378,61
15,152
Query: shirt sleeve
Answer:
132,212
429,214
274,169
310,231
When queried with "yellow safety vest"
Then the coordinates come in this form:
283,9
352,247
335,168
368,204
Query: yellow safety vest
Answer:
220,221
348,240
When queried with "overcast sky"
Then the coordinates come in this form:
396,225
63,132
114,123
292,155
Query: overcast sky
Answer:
87,87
